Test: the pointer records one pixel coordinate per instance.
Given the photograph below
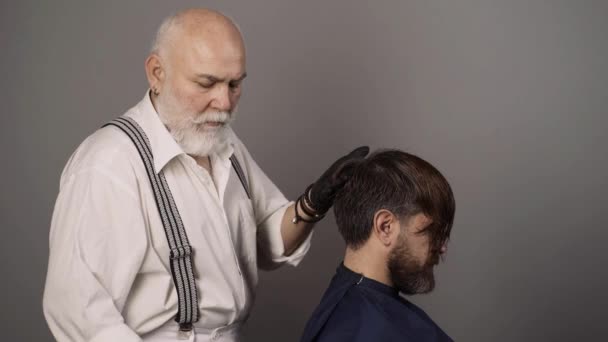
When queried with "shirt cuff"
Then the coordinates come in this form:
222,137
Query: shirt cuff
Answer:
275,239
116,333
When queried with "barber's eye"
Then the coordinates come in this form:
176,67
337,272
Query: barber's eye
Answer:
234,85
206,85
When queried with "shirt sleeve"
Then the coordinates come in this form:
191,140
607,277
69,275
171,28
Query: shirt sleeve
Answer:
97,244
270,243
269,206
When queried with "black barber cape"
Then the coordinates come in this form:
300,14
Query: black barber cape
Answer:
358,309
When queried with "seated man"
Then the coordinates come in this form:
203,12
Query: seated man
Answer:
395,214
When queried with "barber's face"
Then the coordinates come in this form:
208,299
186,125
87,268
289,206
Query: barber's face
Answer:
201,79
411,261
200,89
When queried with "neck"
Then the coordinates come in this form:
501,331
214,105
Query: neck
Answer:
153,99
204,162
371,265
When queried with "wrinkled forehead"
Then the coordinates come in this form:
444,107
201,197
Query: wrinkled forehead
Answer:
210,50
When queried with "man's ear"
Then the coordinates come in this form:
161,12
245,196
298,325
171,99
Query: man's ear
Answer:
155,72
385,227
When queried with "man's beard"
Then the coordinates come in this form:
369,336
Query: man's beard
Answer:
407,274
189,131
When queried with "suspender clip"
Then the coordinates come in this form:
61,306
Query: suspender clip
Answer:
180,252
185,326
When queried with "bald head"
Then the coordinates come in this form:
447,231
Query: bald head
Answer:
195,72
198,25
195,41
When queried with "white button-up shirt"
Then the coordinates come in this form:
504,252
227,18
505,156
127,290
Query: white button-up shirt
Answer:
109,277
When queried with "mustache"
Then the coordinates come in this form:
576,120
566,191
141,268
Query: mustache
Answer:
221,117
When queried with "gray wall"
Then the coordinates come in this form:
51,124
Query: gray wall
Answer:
508,98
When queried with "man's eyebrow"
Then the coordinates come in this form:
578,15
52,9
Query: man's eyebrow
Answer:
213,78
209,77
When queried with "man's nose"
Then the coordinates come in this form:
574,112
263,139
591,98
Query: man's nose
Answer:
221,98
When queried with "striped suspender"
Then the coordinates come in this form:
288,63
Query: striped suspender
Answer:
239,172
181,251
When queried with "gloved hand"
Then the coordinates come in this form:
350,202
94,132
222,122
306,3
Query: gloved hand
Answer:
320,195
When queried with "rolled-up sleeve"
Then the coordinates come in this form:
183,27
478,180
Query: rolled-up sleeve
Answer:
97,244
269,206
270,239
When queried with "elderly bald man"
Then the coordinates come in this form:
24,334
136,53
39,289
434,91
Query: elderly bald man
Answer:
163,218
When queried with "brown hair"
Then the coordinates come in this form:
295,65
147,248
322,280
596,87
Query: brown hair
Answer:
400,182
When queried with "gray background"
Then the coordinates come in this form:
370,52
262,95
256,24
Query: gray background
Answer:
507,98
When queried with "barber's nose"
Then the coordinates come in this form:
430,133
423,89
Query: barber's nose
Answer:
221,100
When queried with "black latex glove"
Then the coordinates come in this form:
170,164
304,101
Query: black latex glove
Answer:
323,191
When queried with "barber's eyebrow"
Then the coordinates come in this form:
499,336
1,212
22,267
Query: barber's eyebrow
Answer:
213,78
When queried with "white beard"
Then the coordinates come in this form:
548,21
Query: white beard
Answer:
191,134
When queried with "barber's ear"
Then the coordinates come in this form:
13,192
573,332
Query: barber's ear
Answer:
386,227
155,71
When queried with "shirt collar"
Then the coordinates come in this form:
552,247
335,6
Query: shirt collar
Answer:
164,147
